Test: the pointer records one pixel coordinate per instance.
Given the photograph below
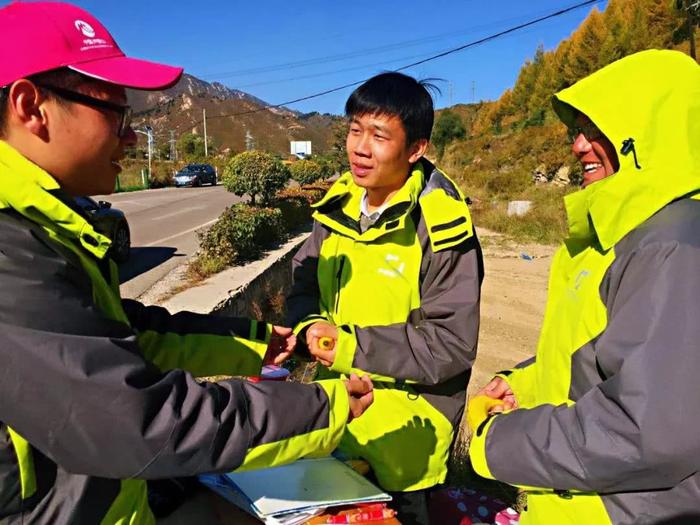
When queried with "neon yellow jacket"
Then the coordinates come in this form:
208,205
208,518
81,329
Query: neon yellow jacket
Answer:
405,294
98,394
609,416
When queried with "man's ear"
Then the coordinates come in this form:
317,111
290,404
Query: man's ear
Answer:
418,149
27,108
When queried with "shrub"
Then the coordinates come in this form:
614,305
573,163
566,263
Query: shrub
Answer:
295,205
306,171
241,233
161,177
255,173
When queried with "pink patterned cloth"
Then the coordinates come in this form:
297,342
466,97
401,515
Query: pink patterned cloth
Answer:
460,506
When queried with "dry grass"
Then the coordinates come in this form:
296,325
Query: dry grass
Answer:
545,223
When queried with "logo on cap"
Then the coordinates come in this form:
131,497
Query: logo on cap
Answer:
85,28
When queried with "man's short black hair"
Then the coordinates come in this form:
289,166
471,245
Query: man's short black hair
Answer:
399,95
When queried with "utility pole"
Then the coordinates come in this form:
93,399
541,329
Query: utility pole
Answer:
473,91
149,135
204,118
173,150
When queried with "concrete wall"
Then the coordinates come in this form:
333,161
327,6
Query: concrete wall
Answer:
260,297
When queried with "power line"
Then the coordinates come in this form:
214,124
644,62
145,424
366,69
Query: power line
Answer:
429,59
351,54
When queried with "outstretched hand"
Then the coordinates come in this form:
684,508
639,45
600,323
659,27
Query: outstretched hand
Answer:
280,346
360,392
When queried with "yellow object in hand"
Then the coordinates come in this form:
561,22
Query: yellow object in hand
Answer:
478,409
326,343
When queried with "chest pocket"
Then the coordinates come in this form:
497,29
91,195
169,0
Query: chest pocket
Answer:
367,283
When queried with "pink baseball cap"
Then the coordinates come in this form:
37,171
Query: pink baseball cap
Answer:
41,36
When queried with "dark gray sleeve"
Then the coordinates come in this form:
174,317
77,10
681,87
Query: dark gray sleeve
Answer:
75,385
303,300
156,318
439,340
637,430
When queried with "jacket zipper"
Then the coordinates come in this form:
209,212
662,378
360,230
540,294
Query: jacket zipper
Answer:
339,282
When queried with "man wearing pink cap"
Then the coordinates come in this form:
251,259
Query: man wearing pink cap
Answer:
97,394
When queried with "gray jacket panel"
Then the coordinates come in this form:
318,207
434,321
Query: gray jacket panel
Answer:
633,435
75,385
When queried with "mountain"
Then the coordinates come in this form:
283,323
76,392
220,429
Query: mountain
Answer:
233,118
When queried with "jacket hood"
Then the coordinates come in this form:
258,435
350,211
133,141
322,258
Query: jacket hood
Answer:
652,97
28,189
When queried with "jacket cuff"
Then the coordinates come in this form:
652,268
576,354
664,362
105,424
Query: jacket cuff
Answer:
259,338
338,418
345,348
308,321
477,448
318,443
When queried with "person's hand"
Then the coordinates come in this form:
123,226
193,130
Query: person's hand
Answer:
360,394
280,346
479,408
321,339
498,388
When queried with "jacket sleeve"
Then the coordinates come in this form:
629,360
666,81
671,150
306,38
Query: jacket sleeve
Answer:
303,302
75,384
204,345
439,339
634,431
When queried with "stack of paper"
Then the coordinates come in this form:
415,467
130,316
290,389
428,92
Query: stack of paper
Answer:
295,493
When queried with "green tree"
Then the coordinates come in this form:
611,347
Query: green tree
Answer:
337,156
190,146
255,173
306,171
449,127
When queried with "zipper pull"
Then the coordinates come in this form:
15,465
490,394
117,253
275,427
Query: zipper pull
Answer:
627,146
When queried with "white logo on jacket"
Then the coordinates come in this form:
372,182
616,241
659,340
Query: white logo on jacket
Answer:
396,269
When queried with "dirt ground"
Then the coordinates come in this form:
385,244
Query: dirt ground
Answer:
512,305
513,298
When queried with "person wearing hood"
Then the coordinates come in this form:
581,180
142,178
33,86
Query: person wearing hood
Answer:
97,394
602,425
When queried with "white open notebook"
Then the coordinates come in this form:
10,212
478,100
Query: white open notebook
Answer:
306,485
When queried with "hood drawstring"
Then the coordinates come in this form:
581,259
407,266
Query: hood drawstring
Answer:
627,146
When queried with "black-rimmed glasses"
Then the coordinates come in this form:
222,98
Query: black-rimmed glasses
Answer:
124,112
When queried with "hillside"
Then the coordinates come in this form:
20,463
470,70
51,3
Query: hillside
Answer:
179,109
516,140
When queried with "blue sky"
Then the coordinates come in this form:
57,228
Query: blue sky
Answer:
239,43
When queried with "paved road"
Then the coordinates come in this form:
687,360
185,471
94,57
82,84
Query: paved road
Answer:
163,229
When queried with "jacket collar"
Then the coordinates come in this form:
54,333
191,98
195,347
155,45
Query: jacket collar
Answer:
30,191
339,209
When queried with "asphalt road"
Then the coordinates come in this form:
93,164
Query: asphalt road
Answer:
163,229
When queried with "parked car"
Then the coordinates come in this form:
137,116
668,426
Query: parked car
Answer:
196,175
110,222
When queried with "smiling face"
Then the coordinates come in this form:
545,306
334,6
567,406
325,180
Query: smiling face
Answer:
594,151
85,141
379,157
